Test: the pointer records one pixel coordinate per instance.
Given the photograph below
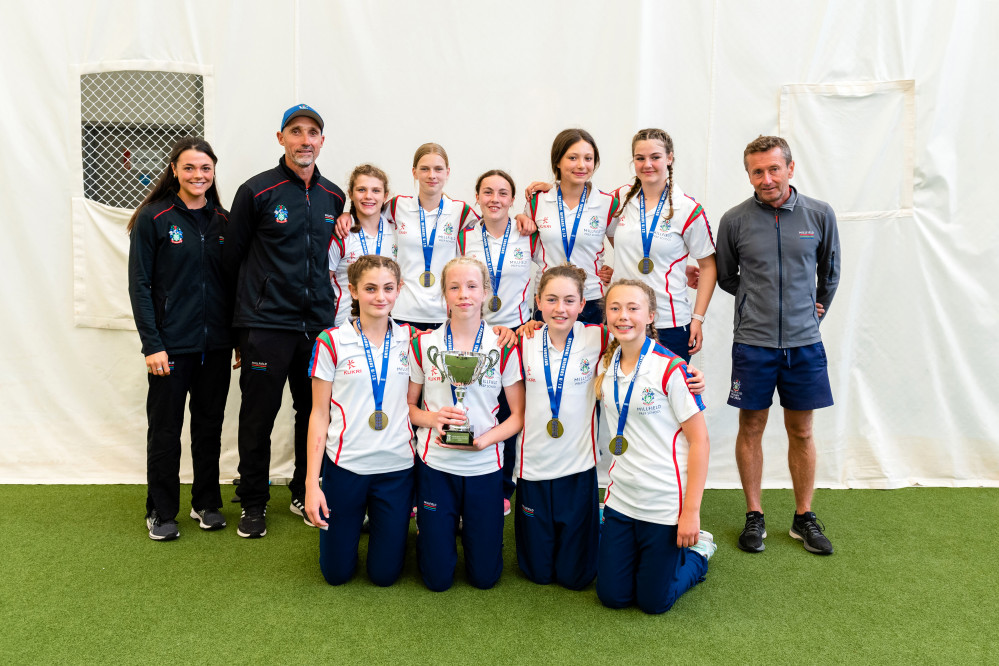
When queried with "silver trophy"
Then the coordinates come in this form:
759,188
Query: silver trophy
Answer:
461,369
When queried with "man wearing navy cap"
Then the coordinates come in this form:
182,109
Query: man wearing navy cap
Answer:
275,256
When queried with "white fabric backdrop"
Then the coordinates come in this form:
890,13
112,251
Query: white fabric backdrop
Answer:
887,106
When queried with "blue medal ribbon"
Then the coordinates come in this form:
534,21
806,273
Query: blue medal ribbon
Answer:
623,411
449,344
647,236
377,383
495,275
555,394
428,250
570,242
378,246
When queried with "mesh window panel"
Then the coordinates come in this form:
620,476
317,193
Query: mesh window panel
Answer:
131,119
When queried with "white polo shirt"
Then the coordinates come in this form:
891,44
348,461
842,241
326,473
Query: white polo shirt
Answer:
588,251
541,457
416,302
647,481
687,234
351,443
515,278
344,252
482,403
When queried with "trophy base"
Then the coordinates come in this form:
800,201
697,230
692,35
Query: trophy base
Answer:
458,437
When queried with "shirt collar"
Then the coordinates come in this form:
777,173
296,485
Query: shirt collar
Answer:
787,205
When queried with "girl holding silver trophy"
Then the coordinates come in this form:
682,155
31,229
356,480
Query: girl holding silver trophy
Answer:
461,367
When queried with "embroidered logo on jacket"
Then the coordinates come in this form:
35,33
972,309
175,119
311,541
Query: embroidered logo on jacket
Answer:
806,235
176,235
329,218
258,365
280,214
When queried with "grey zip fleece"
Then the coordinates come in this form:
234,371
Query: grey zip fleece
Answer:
778,263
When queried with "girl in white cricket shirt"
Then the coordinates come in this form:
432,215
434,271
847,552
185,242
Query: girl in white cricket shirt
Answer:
360,378
557,515
371,233
572,216
427,227
655,251
456,482
651,547
496,242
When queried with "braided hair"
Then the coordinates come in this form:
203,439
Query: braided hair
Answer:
652,134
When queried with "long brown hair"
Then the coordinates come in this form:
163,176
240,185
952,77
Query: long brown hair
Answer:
168,184
652,134
564,140
650,330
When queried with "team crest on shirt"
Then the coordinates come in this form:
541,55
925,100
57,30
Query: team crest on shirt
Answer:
649,405
584,366
594,222
280,214
518,254
664,226
395,251
448,228
492,373
404,358
647,396
176,235
736,392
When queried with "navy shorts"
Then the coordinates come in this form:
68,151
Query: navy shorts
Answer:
677,340
799,374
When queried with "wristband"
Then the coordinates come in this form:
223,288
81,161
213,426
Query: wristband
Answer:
698,317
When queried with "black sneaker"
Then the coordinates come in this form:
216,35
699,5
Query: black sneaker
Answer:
807,529
161,530
753,534
209,519
252,523
298,508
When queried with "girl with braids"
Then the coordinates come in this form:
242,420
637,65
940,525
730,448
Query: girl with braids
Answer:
652,549
462,482
557,516
656,229
359,431
183,315
371,233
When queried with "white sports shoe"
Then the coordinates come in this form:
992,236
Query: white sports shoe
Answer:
705,546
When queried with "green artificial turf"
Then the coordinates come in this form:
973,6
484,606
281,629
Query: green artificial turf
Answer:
914,578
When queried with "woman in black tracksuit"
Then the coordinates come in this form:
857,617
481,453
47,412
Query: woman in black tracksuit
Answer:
183,314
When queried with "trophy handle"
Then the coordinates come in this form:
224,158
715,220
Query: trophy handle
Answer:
494,357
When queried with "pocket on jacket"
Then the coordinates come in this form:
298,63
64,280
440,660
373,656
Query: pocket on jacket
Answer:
262,294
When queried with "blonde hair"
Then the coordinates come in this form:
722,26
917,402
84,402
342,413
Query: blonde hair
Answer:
430,149
650,330
487,285
652,134
364,264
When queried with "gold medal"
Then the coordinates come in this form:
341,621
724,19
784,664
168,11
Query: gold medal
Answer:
645,266
427,279
618,445
378,420
495,303
555,428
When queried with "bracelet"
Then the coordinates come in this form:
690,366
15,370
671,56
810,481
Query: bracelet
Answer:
698,317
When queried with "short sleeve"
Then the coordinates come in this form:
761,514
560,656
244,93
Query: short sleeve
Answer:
323,364
336,251
683,403
510,366
697,234
416,359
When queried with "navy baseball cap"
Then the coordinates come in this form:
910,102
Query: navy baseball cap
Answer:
301,110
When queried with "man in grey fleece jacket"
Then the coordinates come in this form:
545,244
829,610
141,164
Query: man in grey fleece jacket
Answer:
778,254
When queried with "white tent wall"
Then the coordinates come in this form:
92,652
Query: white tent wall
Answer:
909,336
